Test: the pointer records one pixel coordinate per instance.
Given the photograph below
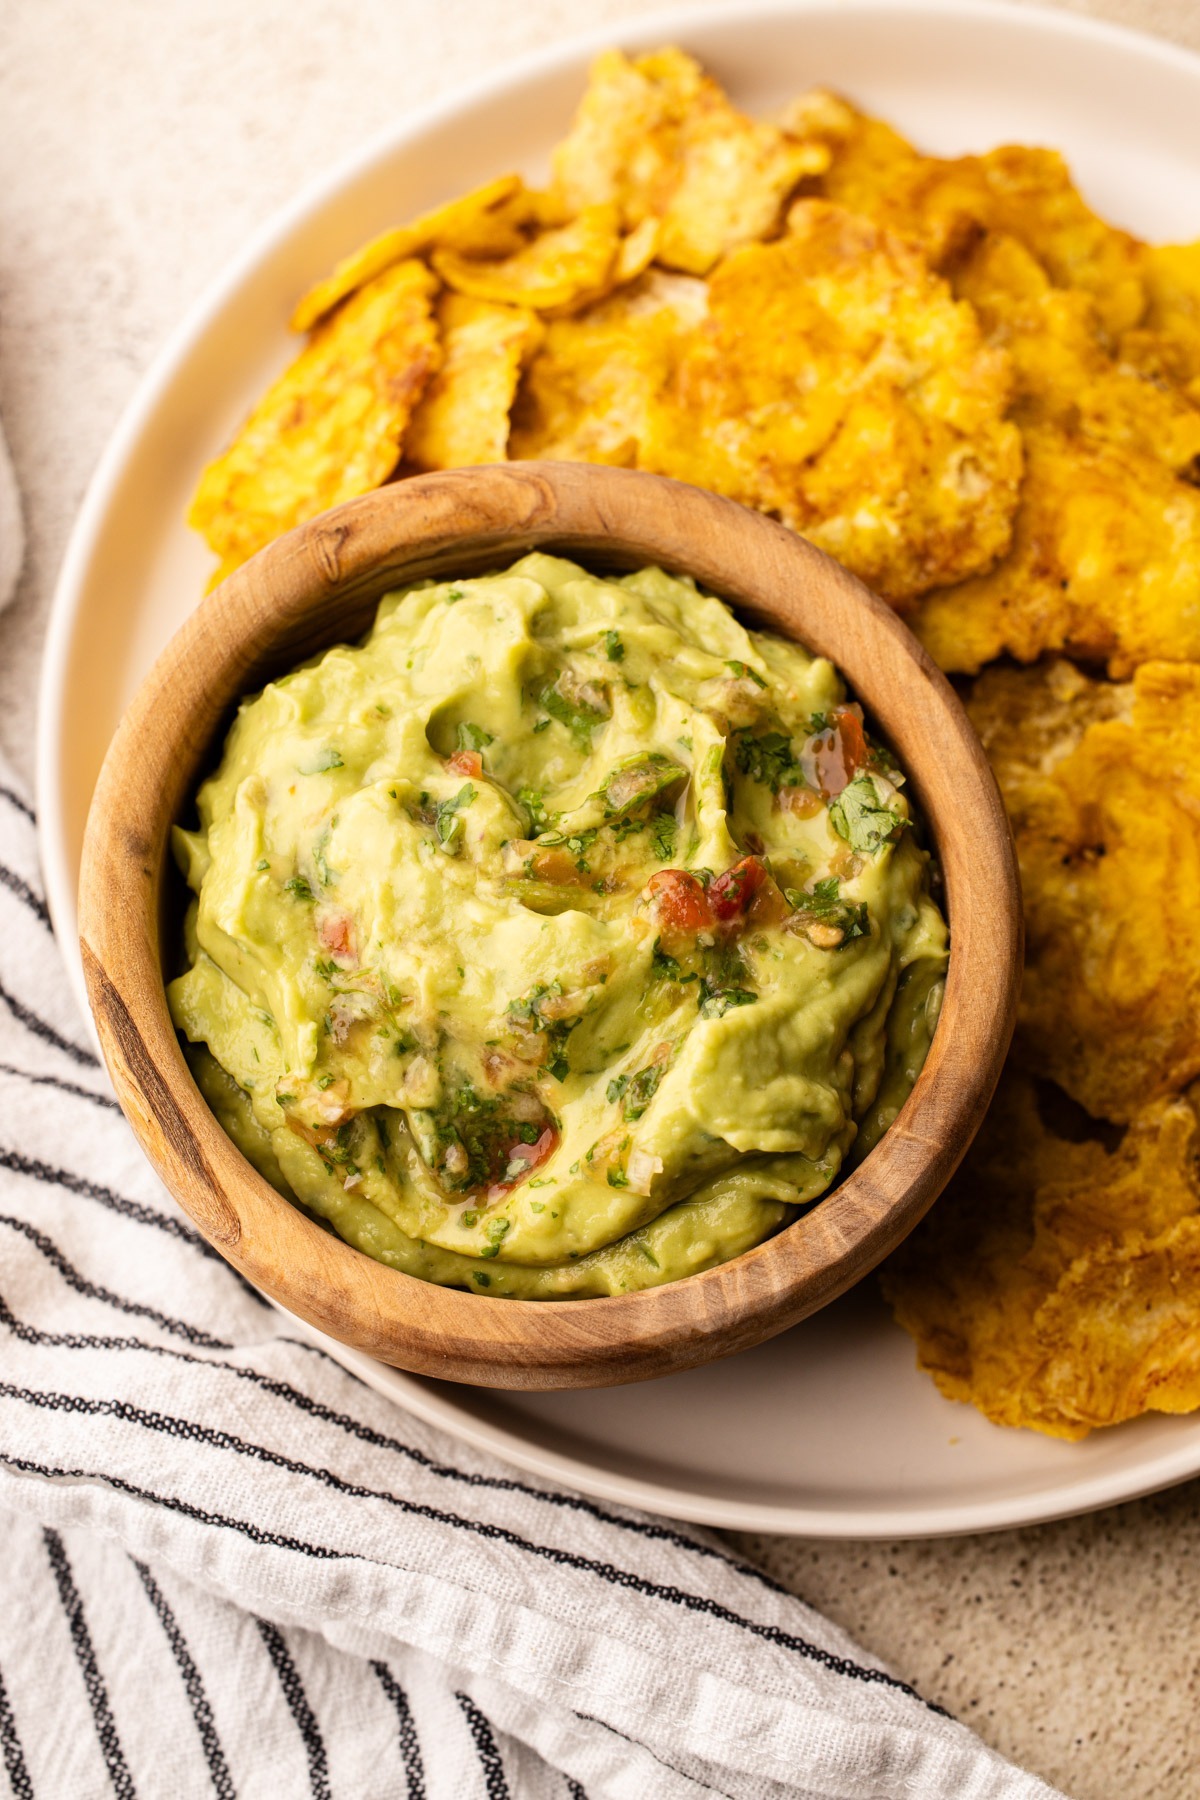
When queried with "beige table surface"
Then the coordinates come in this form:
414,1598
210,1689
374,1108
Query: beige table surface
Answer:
141,143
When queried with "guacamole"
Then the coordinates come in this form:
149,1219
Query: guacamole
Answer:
560,939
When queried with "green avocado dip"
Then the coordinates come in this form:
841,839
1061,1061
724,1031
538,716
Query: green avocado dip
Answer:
562,938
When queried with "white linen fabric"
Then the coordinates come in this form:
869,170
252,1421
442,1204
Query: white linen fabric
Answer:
231,1568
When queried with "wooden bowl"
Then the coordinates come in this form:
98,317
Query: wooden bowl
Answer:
319,585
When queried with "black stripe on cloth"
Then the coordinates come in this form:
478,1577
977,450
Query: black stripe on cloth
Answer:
301,1711
64,1087
283,1390
92,1290
627,1579
46,1032
193,1685
93,1681
22,806
129,1209
16,884
485,1749
574,1791
366,1434
410,1744
117,1203
14,1756
662,1763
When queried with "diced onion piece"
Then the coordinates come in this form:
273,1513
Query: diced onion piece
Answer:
641,1170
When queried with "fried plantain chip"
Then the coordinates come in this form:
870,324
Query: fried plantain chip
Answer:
483,222
463,417
838,386
1064,370
1102,783
638,250
1032,197
1104,564
557,271
945,206
1011,1285
658,137
1120,1336
587,394
331,426
1167,346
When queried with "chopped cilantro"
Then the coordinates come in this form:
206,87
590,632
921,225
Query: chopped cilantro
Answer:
328,759
534,803
638,779
473,737
263,863
744,672
448,823
617,1178
860,816
665,968
578,843
542,725
616,1088
663,835
528,1011
296,884
451,595
716,1002
824,905
576,713
614,647
482,1277
326,876
641,1091
285,1099
768,759
324,1081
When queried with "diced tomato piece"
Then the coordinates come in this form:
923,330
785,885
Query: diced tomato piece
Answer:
530,1156
681,902
465,762
533,1155
730,894
335,932
832,758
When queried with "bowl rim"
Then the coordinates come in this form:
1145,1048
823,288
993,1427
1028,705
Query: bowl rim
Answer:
319,585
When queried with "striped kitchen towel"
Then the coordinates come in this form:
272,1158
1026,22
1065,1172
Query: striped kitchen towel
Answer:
12,531
231,1568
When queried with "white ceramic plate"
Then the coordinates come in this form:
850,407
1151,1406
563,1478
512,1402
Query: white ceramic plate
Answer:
828,1431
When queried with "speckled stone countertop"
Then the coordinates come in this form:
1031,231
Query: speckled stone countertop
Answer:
141,145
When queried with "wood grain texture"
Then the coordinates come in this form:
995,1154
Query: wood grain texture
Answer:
320,585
